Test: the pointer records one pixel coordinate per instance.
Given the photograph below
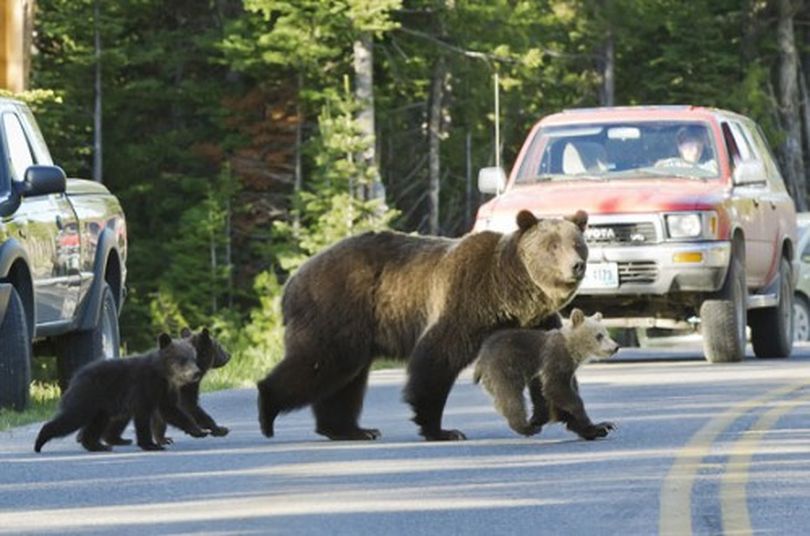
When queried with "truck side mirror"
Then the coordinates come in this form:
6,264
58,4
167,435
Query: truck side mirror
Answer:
43,180
749,172
491,180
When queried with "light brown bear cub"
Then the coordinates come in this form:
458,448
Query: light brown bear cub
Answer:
544,361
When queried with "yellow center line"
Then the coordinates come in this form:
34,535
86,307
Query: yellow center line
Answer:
675,516
733,492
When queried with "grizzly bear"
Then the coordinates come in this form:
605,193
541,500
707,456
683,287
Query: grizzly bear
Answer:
210,354
137,386
545,361
429,300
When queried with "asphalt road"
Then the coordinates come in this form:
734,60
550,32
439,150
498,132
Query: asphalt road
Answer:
702,449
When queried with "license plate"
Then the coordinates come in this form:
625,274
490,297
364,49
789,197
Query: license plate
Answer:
601,275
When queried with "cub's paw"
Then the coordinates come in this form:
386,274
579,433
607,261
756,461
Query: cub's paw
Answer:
198,433
96,447
165,441
445,435
356,434
219,431
117,441
597,430
530,429
151,446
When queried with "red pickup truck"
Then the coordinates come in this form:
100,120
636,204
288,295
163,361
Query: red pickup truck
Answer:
690,222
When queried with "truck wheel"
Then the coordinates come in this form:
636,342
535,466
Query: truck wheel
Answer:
15,356
723,320
75,350
772,327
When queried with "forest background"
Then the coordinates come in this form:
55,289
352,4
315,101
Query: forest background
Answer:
244,136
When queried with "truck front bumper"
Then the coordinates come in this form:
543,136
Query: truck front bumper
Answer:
660,269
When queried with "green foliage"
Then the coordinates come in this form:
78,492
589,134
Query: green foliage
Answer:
330,208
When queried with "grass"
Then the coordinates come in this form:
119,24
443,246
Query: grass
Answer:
44,399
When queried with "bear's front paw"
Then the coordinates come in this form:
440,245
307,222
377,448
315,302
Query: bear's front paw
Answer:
219,431
444,435
197,433
607,426
165,441
150,446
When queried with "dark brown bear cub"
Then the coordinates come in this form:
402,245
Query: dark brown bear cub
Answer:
135,386
429,300
210,354
545,361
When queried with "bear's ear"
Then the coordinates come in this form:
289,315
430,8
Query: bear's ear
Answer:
164,340
525,220
205,335
597,316
185,332
580,219
577,317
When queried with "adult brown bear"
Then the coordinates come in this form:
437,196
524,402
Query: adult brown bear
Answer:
428,299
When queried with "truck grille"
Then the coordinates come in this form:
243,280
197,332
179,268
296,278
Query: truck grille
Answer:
640,233
637,272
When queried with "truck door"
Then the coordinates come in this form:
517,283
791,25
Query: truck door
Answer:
750,202
48,232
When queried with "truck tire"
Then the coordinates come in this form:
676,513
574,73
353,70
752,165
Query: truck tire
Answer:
75,350
15,356
801,318
723,320
772,327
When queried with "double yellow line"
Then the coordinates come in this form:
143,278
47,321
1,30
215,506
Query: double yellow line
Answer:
676,492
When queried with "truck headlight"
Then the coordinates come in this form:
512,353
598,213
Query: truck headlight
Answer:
684,225
692,225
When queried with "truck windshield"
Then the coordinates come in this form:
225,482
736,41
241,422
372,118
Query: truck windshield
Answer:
674,149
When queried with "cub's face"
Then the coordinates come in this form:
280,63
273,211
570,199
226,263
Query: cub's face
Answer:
180,362
589,338
210,353
553,251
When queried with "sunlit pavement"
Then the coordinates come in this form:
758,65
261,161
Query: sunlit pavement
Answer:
700,448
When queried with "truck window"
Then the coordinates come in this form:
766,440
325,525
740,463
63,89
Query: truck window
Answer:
19,153
743,143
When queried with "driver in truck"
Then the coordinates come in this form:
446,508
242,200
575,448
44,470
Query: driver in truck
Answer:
692,150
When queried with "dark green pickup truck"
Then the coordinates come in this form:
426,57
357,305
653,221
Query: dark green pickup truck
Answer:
63,247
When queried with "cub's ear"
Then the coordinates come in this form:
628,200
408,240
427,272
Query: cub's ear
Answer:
580,219
164,340
185,332
577,317
597,317
205,335
525,220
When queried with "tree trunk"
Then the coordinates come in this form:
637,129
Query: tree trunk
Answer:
437,84
29,7
608,93
364,91
789,104
97,143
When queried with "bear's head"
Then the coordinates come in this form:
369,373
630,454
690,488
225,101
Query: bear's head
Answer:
177,360
587,338
210,353
553,250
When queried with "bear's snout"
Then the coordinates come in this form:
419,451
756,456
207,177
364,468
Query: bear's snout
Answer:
579,269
